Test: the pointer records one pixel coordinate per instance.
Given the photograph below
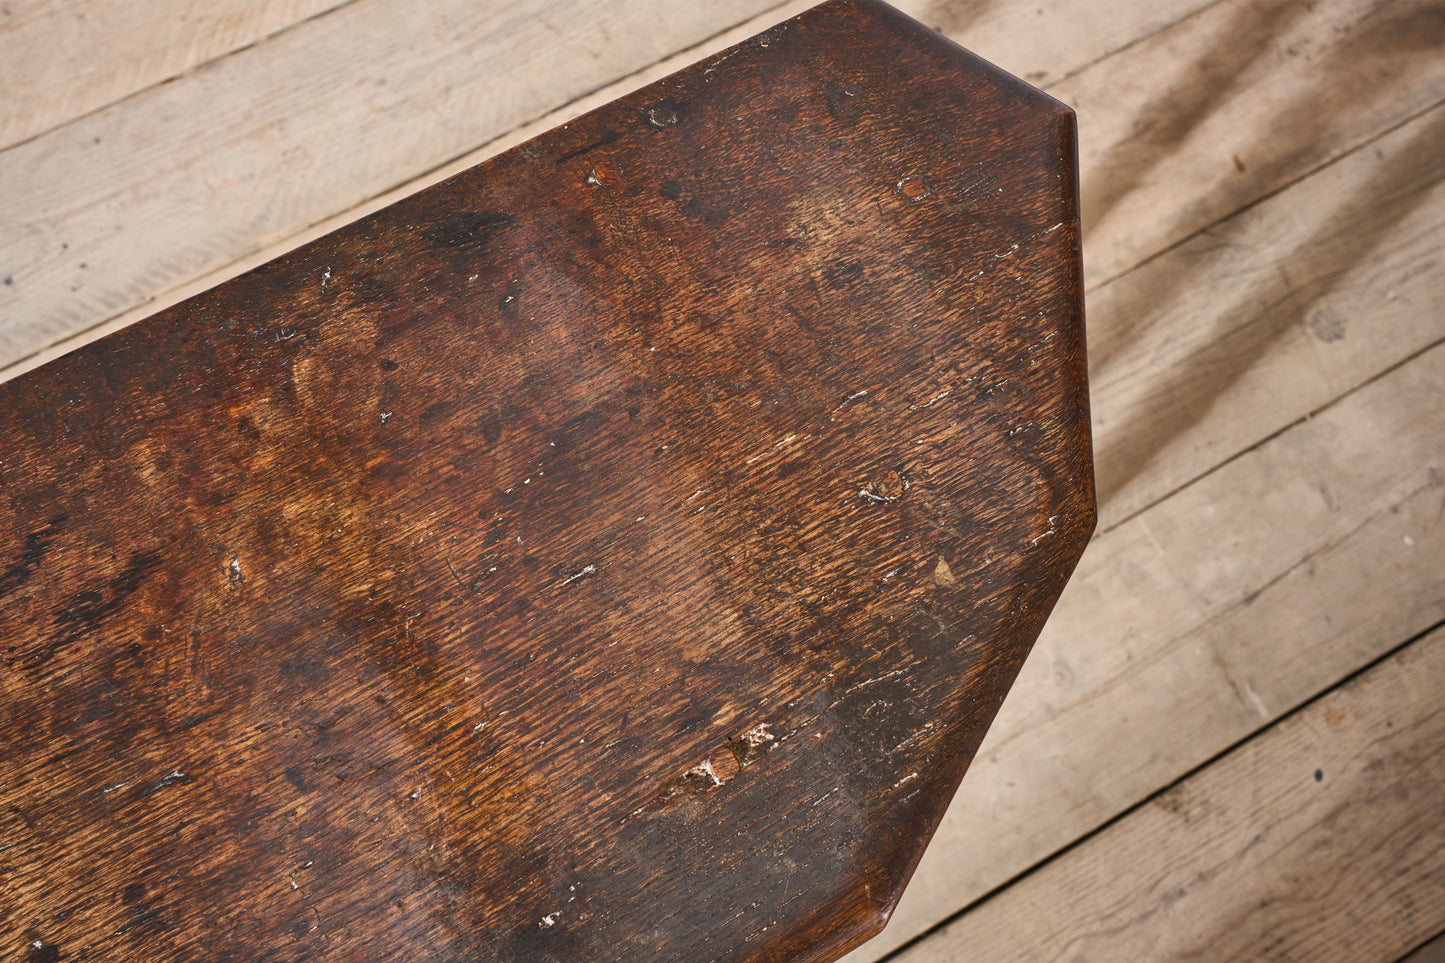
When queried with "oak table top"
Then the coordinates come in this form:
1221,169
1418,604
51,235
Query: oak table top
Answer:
614,552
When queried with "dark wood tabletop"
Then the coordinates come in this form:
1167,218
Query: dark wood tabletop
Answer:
614,552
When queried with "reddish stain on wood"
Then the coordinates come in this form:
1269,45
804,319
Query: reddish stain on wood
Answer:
615,552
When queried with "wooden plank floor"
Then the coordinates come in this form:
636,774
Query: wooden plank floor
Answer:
1307,844
1265,222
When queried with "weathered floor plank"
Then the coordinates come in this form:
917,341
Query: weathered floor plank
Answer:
1321,839
1045,41
1224,107
61,59
1267,316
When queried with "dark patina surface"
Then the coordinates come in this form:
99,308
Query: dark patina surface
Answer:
615,552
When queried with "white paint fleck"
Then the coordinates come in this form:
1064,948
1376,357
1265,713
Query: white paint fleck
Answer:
914,738
874,681
786,441
848,399
1043,535
586,571
704,770
758,736
1255,701
908,778
932,401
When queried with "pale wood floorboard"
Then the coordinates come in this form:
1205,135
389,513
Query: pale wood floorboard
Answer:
1321,840
1245,328
1264,210
61,59
1226,106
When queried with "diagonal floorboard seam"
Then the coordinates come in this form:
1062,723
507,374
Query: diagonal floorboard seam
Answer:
1267,195
171,78
1149,35
1314,413
898,951
1432,950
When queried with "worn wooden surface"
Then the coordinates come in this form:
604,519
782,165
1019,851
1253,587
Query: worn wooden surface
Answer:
62,59
1324,838
1249,563
614,552
1229,583
1237,101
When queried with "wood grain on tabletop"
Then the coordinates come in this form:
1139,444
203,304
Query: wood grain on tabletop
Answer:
1320,840
61,59
548,565
1231,394
183,188
1196,623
